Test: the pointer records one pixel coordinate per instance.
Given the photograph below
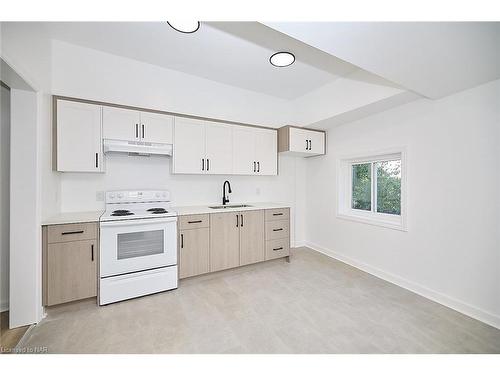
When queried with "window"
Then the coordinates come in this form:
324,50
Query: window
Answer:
372,189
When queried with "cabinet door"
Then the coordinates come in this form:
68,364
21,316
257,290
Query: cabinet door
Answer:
219,148
194,252
71,271
317,142
189,146
156,127
244,161
298,140
224,241
252,237
121,124
79,143
266,151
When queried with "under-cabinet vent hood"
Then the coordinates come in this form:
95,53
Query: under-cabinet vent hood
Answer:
138,148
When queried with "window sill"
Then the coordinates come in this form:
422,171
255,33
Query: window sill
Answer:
373,221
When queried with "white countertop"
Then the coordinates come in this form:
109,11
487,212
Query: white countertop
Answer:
196,210
73,217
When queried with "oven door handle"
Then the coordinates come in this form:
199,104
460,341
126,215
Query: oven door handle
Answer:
131,222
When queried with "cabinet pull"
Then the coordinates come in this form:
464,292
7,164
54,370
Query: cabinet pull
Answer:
242,221
237,221
74,232
307,145
194,221
277,230
278,248
92,252
182,241
278,214
310,145
142,131
258,166
97,160
202,164
208,164
254,167
137,130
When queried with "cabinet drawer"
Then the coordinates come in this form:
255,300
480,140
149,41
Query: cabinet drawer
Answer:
277,229
277,248
278,214
72,232
193,221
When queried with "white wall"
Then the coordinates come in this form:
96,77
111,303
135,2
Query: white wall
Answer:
25,234
4,197
90,74
451,251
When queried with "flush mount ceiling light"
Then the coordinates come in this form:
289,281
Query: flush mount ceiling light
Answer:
186,27
282,59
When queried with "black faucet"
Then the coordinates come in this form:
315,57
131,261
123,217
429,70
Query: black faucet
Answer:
224,199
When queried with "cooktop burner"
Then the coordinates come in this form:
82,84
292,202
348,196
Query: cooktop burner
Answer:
121,213
157,210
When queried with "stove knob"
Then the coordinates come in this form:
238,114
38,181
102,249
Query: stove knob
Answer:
157,195
164,195
111,196
120,195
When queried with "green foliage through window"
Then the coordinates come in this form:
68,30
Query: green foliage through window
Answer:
386,186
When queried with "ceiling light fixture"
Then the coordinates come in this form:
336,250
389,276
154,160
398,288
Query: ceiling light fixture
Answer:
186,27
282,59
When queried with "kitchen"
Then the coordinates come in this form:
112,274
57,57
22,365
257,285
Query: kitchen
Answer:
246,191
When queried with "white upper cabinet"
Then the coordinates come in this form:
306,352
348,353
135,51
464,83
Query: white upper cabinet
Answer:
202,147
121,124
131,125
302,142
79,137
189,146
244,150
156,128
266,153
255,151
218,148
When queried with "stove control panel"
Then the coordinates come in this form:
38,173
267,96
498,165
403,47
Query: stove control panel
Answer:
136,196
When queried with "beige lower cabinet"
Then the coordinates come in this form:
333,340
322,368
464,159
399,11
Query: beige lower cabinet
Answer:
218,241
224,241
69,263
194,252
251,237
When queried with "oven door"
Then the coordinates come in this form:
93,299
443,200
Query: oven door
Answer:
137,245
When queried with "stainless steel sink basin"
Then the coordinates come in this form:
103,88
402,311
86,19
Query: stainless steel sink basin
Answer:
230,206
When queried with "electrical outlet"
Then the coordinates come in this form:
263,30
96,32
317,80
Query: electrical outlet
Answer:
99,196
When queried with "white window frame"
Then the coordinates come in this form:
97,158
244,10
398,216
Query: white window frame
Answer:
344,189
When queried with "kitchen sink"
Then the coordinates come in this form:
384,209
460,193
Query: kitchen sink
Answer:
230,206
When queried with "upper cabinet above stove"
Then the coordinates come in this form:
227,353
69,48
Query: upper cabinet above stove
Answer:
132,125
302,142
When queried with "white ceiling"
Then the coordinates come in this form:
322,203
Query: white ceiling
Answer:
236,54
432,59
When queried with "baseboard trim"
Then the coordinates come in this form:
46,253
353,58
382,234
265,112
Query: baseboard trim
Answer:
460,306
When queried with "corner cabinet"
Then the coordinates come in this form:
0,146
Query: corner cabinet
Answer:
302,142
78,133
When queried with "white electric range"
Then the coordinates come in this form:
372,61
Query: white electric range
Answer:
138,245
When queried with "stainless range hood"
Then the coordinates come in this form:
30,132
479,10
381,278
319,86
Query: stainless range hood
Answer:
137,148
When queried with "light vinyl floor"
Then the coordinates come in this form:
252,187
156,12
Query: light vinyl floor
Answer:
312,305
